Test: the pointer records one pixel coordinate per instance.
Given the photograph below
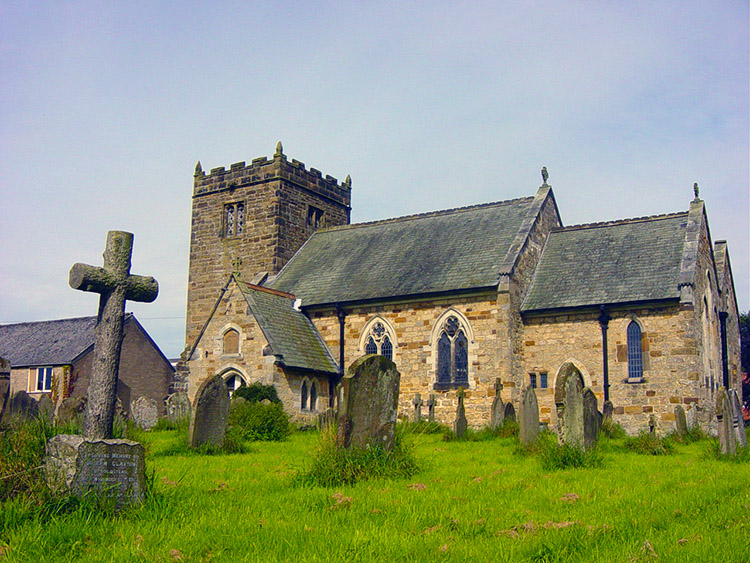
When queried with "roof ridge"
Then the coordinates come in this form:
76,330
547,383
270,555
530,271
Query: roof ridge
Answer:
616,222
426,214
87,317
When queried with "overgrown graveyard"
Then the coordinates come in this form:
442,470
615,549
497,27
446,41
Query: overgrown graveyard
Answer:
479,498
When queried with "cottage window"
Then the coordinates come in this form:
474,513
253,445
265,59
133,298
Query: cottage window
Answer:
234,219
452,355
43,379
378,341
635,353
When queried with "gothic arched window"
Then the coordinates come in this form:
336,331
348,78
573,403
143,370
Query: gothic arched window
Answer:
313,396
452,355
378,341
234,219
231,342
303,404
635,353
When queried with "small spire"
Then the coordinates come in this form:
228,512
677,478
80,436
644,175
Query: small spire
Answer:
545,175
348,180
198,168
279,150
696,190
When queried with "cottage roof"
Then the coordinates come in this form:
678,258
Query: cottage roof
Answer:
627,261
290,334
46,343
452,250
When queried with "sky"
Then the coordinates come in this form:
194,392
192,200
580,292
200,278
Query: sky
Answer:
105,108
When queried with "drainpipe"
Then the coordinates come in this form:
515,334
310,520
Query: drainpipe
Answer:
604,323
341,314
724,364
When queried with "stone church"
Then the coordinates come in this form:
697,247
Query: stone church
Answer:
284,290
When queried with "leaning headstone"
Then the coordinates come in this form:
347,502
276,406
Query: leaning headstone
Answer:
510,412
326,419
691,416
208,423
115,285
680,421
369,403
497,411
4,385
22,407
570,412
460,424
591,419
528,428
431,402
71,411
46,408
144,412
608,410
724,418
110,467
178,406
737,422
417,402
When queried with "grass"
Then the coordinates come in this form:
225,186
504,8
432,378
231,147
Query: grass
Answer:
470,501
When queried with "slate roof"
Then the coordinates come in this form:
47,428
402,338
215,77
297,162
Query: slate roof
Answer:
291,335
607,263
450,250
46,343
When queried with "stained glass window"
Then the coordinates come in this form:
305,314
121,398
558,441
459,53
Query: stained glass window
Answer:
635,357
240,220
371,347
378,341
229,212
453,354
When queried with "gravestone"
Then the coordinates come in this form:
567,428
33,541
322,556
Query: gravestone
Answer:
326,419
46,408
417,402
497,411
528,429
680,421
591,419
570,411
509,412
4,385
71,411
178,406
691,416
737,421
431,402
460,424
369,405
608,410
652,424
115,285
22,407
724,418
144,412
107,467
208,423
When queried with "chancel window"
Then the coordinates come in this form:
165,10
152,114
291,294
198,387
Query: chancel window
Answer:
453,355
43,379
378,341
234,219
231,342
635,353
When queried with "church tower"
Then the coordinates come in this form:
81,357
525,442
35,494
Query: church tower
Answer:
252,219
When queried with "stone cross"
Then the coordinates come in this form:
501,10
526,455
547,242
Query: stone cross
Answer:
417,402
431,402
115,285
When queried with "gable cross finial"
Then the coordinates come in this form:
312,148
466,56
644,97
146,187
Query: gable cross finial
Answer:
236,263
696,190
545,175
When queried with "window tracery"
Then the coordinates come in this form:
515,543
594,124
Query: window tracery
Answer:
378,341
452,355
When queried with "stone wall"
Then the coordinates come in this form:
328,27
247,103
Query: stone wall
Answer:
277,195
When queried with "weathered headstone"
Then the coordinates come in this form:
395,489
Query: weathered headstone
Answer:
431,402
460,424
46,408
608,410
417,402
510,412
737,421
367,415
145,412
680,421
115,285
4,385
106,467
178,406
724,418
528,428
22,407
497,411
570,411
691,416
652,424
591,419
326,419
208,424
71,411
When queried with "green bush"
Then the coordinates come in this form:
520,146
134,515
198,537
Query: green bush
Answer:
612,430
258,421
649,444
257,392
22,452
554,456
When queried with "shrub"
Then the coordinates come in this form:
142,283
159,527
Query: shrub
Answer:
553,456
258,421
332,466
649,444
256,392
612,430
22,452
713,451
